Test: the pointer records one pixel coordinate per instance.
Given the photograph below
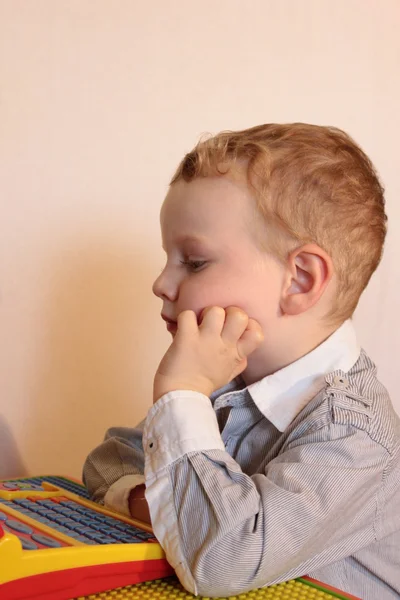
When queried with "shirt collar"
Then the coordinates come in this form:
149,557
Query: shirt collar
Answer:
281,396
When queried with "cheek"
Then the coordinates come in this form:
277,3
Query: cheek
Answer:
197,295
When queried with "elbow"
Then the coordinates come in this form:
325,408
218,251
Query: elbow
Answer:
213,587
214,579
90,481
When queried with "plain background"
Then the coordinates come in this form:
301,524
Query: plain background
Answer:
99,100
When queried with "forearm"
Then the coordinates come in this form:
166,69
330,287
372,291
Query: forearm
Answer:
224,531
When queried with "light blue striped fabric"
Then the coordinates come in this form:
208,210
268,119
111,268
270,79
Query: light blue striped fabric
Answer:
321,498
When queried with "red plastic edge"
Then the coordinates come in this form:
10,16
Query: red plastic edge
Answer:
324,586
83,581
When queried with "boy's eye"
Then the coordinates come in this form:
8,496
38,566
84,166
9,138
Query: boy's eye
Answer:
194,265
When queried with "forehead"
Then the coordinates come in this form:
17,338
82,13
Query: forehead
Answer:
207,207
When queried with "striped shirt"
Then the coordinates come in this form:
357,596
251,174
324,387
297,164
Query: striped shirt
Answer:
296,474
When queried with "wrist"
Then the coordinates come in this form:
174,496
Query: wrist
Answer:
163,386
138,507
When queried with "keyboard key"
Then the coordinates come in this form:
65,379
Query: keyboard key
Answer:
18,526
28,544
9,485
45,540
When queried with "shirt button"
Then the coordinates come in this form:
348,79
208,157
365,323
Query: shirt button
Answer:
340,382
151,445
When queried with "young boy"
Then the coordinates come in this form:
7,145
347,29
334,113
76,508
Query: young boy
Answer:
271,451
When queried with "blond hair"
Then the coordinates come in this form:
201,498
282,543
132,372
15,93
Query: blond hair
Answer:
314,184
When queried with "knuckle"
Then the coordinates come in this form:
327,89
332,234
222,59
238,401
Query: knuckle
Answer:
255,324
237,312
218,310
185,314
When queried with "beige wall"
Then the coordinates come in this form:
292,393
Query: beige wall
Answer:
98,101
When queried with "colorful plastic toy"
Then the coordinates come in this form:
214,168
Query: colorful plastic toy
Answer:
171,589
55,544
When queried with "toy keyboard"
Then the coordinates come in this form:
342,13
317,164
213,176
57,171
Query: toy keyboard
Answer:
55,544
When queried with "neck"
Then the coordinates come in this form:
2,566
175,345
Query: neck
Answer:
275,354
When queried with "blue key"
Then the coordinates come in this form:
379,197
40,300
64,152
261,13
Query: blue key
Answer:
75,526
121,527
103,539
83,539
85,530
55,508
97,526
18,526
76,518
144,535
107,530
109,540
73,534
50,514
71,524
93,536
86,521
62,529
111,521
46,541
30,487
59,520
27,513
44,521
28,544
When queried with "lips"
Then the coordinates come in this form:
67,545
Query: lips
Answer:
171,324
168,320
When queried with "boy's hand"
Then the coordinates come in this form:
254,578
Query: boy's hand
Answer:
138,506
205,357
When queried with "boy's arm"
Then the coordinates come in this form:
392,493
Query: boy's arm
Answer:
115,468
225,532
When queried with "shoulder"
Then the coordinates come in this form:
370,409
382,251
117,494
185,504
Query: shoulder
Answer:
358,399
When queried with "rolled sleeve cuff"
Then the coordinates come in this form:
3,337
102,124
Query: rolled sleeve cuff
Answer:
117,496
180,422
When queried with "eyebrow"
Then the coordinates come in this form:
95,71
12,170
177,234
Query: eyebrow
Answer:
189,238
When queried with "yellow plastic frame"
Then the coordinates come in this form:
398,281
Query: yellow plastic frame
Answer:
17,563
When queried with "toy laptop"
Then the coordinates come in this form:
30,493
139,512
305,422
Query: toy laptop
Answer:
55,544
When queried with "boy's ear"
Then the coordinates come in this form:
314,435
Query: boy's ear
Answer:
309,271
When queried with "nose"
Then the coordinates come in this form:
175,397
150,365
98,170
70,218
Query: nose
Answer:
165,287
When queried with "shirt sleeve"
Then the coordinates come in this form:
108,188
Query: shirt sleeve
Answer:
225,532
115,467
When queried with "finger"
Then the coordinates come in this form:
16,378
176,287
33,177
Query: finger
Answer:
213,319
187,323
236,322
240,367
251,339
203,312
